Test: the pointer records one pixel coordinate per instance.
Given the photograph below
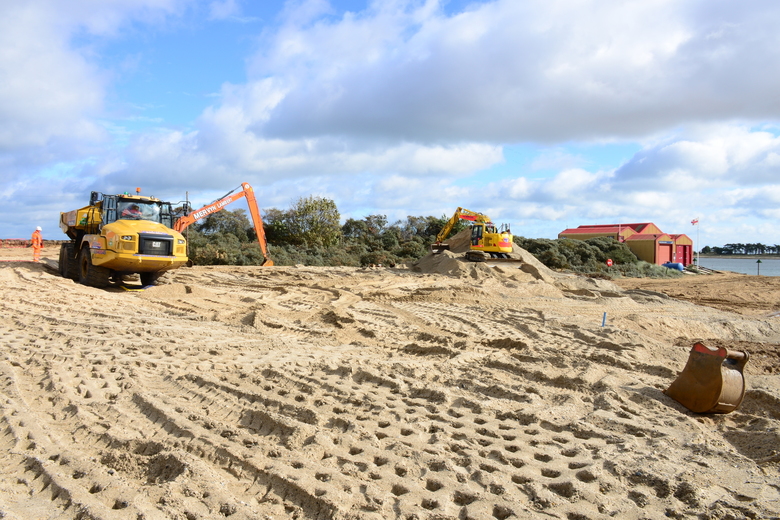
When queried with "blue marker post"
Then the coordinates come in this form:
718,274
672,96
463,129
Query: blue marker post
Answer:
604,320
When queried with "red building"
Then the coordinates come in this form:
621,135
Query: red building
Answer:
644,239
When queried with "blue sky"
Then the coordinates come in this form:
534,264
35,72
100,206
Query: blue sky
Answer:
542,114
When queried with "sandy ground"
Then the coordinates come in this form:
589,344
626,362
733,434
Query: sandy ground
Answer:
757,296
446,391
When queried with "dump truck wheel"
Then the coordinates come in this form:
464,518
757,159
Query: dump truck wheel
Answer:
156,278
68,262
63,261
89,274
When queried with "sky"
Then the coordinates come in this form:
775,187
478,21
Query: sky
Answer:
543,114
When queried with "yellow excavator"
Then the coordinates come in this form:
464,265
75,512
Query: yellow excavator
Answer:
487,240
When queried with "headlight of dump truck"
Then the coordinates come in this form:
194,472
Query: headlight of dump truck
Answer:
180,241
127,237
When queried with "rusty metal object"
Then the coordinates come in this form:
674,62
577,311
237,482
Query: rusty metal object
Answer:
712,380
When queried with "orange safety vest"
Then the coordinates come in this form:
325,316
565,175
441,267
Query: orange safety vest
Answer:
37,239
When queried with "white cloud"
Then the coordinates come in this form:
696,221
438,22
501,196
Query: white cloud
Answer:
47,90
520,188
215,156
669,183
510,71
52,95
572,183
712,156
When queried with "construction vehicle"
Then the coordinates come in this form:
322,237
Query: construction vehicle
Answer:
712,380
118,235
246,191
487,241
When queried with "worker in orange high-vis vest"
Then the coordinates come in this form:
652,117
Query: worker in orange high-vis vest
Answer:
37,244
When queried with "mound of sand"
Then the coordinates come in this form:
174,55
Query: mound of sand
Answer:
462,391
453,263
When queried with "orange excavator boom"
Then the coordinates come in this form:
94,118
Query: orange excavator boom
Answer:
247,192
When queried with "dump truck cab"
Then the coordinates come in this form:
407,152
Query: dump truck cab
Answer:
118,235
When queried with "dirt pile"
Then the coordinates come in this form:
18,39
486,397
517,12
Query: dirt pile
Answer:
526,269
452,261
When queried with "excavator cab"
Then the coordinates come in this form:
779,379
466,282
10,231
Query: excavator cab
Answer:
477,231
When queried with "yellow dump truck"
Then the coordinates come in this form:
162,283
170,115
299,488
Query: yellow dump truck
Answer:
118,235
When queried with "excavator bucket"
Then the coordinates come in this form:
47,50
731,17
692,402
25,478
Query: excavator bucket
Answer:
438,247
712,380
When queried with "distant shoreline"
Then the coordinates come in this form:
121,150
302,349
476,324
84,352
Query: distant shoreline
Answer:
743,257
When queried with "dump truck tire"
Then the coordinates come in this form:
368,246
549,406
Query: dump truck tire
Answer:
68,262
156,278
89,274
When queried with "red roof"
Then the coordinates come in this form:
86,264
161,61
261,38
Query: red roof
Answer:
614,229
640,236
589,230
637,227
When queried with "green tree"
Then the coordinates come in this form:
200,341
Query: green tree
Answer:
313,221
376,224
275,224
216,249
224,238
354,229
226,222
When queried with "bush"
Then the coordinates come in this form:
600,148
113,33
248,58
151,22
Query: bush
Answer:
589,257
643,269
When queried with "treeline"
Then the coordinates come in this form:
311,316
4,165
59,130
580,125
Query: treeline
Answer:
310,233
742,249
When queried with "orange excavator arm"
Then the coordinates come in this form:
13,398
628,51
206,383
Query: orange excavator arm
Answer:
247,192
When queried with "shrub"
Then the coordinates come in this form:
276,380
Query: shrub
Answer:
589,257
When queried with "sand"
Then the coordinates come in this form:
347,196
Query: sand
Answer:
446,390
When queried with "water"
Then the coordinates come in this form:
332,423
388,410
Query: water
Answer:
769,267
